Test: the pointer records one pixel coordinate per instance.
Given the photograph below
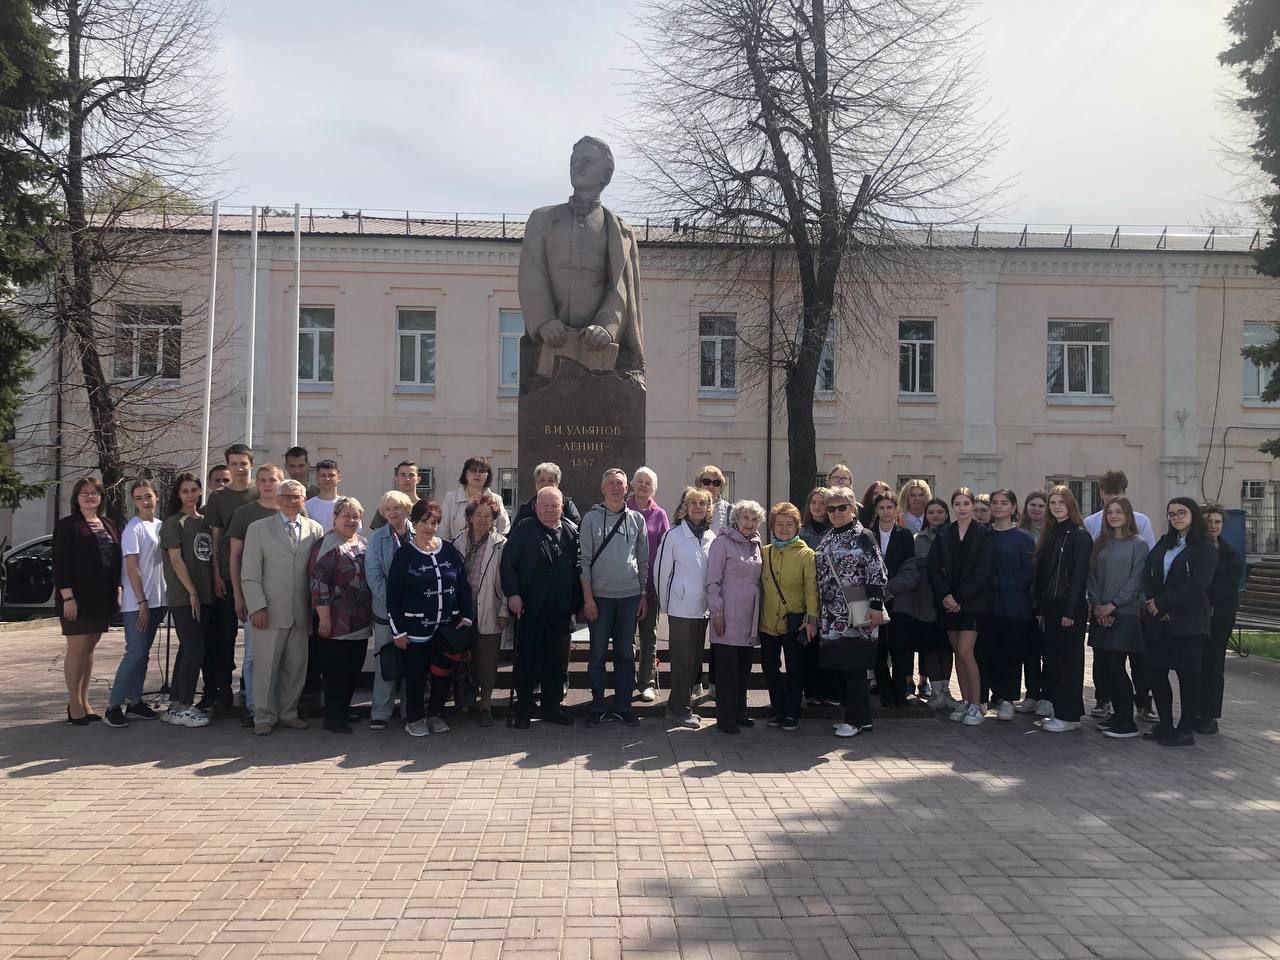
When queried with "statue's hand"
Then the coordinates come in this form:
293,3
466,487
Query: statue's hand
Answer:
596,337
553,333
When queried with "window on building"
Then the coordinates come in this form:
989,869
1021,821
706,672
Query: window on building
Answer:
1079,358
507,488
1084,489
726,492
718,345
1260,499
927,478
416,330
510,327
1256,376
148,341
315,345
426,488
827,365
915,356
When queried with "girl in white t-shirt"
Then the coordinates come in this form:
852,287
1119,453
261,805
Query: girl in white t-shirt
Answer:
142,606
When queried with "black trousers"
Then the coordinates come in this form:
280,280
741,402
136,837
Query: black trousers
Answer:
820,684
1188,690
220,648
1064,666
1213,666
540,639
418,676
343,660
191,644
1005,641
893,663
786,690
857,699
733,674
1033,663
1110,665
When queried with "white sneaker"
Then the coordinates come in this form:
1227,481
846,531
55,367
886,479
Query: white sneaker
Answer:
648,694
1005,710
973,716
1054,725
958,713
169,716
418,728
191,717
436,725
845,730
1044,708
1026,706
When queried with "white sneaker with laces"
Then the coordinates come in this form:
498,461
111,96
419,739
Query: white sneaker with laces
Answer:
648,694
191,717
1044,708
973,716
418,728
1054,725
958,713
436,725
1026,706
845,730
1005,710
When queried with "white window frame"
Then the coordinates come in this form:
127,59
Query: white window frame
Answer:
417,336
1068,347
918,363
1252,371
718,341
509,381
131,325
426,488
1085,489
313,341
509,488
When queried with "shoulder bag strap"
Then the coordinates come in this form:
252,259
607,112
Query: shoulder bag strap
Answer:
782,596
600,549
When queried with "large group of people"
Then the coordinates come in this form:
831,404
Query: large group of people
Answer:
843,597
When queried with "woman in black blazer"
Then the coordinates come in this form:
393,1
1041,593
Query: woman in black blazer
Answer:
960,577
86,575
1176,618
897,546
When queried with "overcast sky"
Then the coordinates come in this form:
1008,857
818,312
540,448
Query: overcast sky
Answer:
1113,108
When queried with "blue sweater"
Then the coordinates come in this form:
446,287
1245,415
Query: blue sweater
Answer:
425,590
1013,571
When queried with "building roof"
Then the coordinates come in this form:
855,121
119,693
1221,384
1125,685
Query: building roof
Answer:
504,228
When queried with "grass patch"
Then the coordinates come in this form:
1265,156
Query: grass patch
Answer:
1259,643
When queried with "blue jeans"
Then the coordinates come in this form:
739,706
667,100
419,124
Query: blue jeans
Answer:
132,672
616,622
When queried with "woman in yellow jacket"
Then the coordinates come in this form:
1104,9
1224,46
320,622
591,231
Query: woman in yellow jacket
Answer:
788,613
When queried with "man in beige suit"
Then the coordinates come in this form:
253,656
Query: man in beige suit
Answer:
273,578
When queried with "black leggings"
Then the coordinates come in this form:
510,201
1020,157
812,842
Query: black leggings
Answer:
1188,691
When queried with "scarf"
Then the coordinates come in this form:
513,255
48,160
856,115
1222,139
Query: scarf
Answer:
699,528
779,544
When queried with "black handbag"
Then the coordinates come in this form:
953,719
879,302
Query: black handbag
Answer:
847,652
794,621
457,639
391,663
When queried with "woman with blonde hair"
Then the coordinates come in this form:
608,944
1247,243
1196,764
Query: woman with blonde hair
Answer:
788,613
712,479
912,499
733,598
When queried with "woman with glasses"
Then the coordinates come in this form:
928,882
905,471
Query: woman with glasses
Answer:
475,479
711,479
960,569
1176,584
1061,602
850,572
821,687
733,599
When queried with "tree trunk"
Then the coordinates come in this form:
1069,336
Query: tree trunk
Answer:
802,455
78,316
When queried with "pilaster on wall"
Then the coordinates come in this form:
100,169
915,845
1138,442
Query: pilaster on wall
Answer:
980,456
1180,432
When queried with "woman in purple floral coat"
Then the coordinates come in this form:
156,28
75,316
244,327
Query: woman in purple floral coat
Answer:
850,569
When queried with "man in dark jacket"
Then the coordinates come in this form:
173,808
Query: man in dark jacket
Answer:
1224,600
546,475
541,581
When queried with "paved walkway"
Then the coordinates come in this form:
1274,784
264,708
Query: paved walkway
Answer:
921,840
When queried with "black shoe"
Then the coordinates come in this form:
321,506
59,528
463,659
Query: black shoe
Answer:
724,728
558,717
625,717
1116,732
789,723
115,717
521,722
377,724
595,718
1179,738
746,722
140,711
1207,727
77,721
338,727
1158,732
92,717
776,721
205,703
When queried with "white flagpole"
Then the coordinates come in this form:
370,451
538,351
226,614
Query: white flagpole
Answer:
297,318
253,323
208,359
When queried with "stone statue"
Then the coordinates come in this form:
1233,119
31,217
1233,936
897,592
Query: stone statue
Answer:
580,278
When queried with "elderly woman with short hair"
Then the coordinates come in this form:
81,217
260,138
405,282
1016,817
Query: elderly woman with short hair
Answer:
481,547
680,574
344,607
386,540
733,598
644,487
547,474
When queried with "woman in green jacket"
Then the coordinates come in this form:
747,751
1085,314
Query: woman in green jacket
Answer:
788,613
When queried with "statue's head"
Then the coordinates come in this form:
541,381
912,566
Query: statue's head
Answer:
590,165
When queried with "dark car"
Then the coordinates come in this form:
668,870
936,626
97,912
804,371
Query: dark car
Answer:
26,578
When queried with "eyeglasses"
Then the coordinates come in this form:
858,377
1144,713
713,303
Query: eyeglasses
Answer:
838,507
711,482
1176,514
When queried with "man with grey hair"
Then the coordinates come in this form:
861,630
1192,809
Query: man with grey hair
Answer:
546,475
274,582
614,556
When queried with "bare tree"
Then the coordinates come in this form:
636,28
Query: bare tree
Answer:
142,114
838,133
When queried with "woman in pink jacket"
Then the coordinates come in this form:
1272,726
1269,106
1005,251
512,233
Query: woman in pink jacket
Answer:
733,598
